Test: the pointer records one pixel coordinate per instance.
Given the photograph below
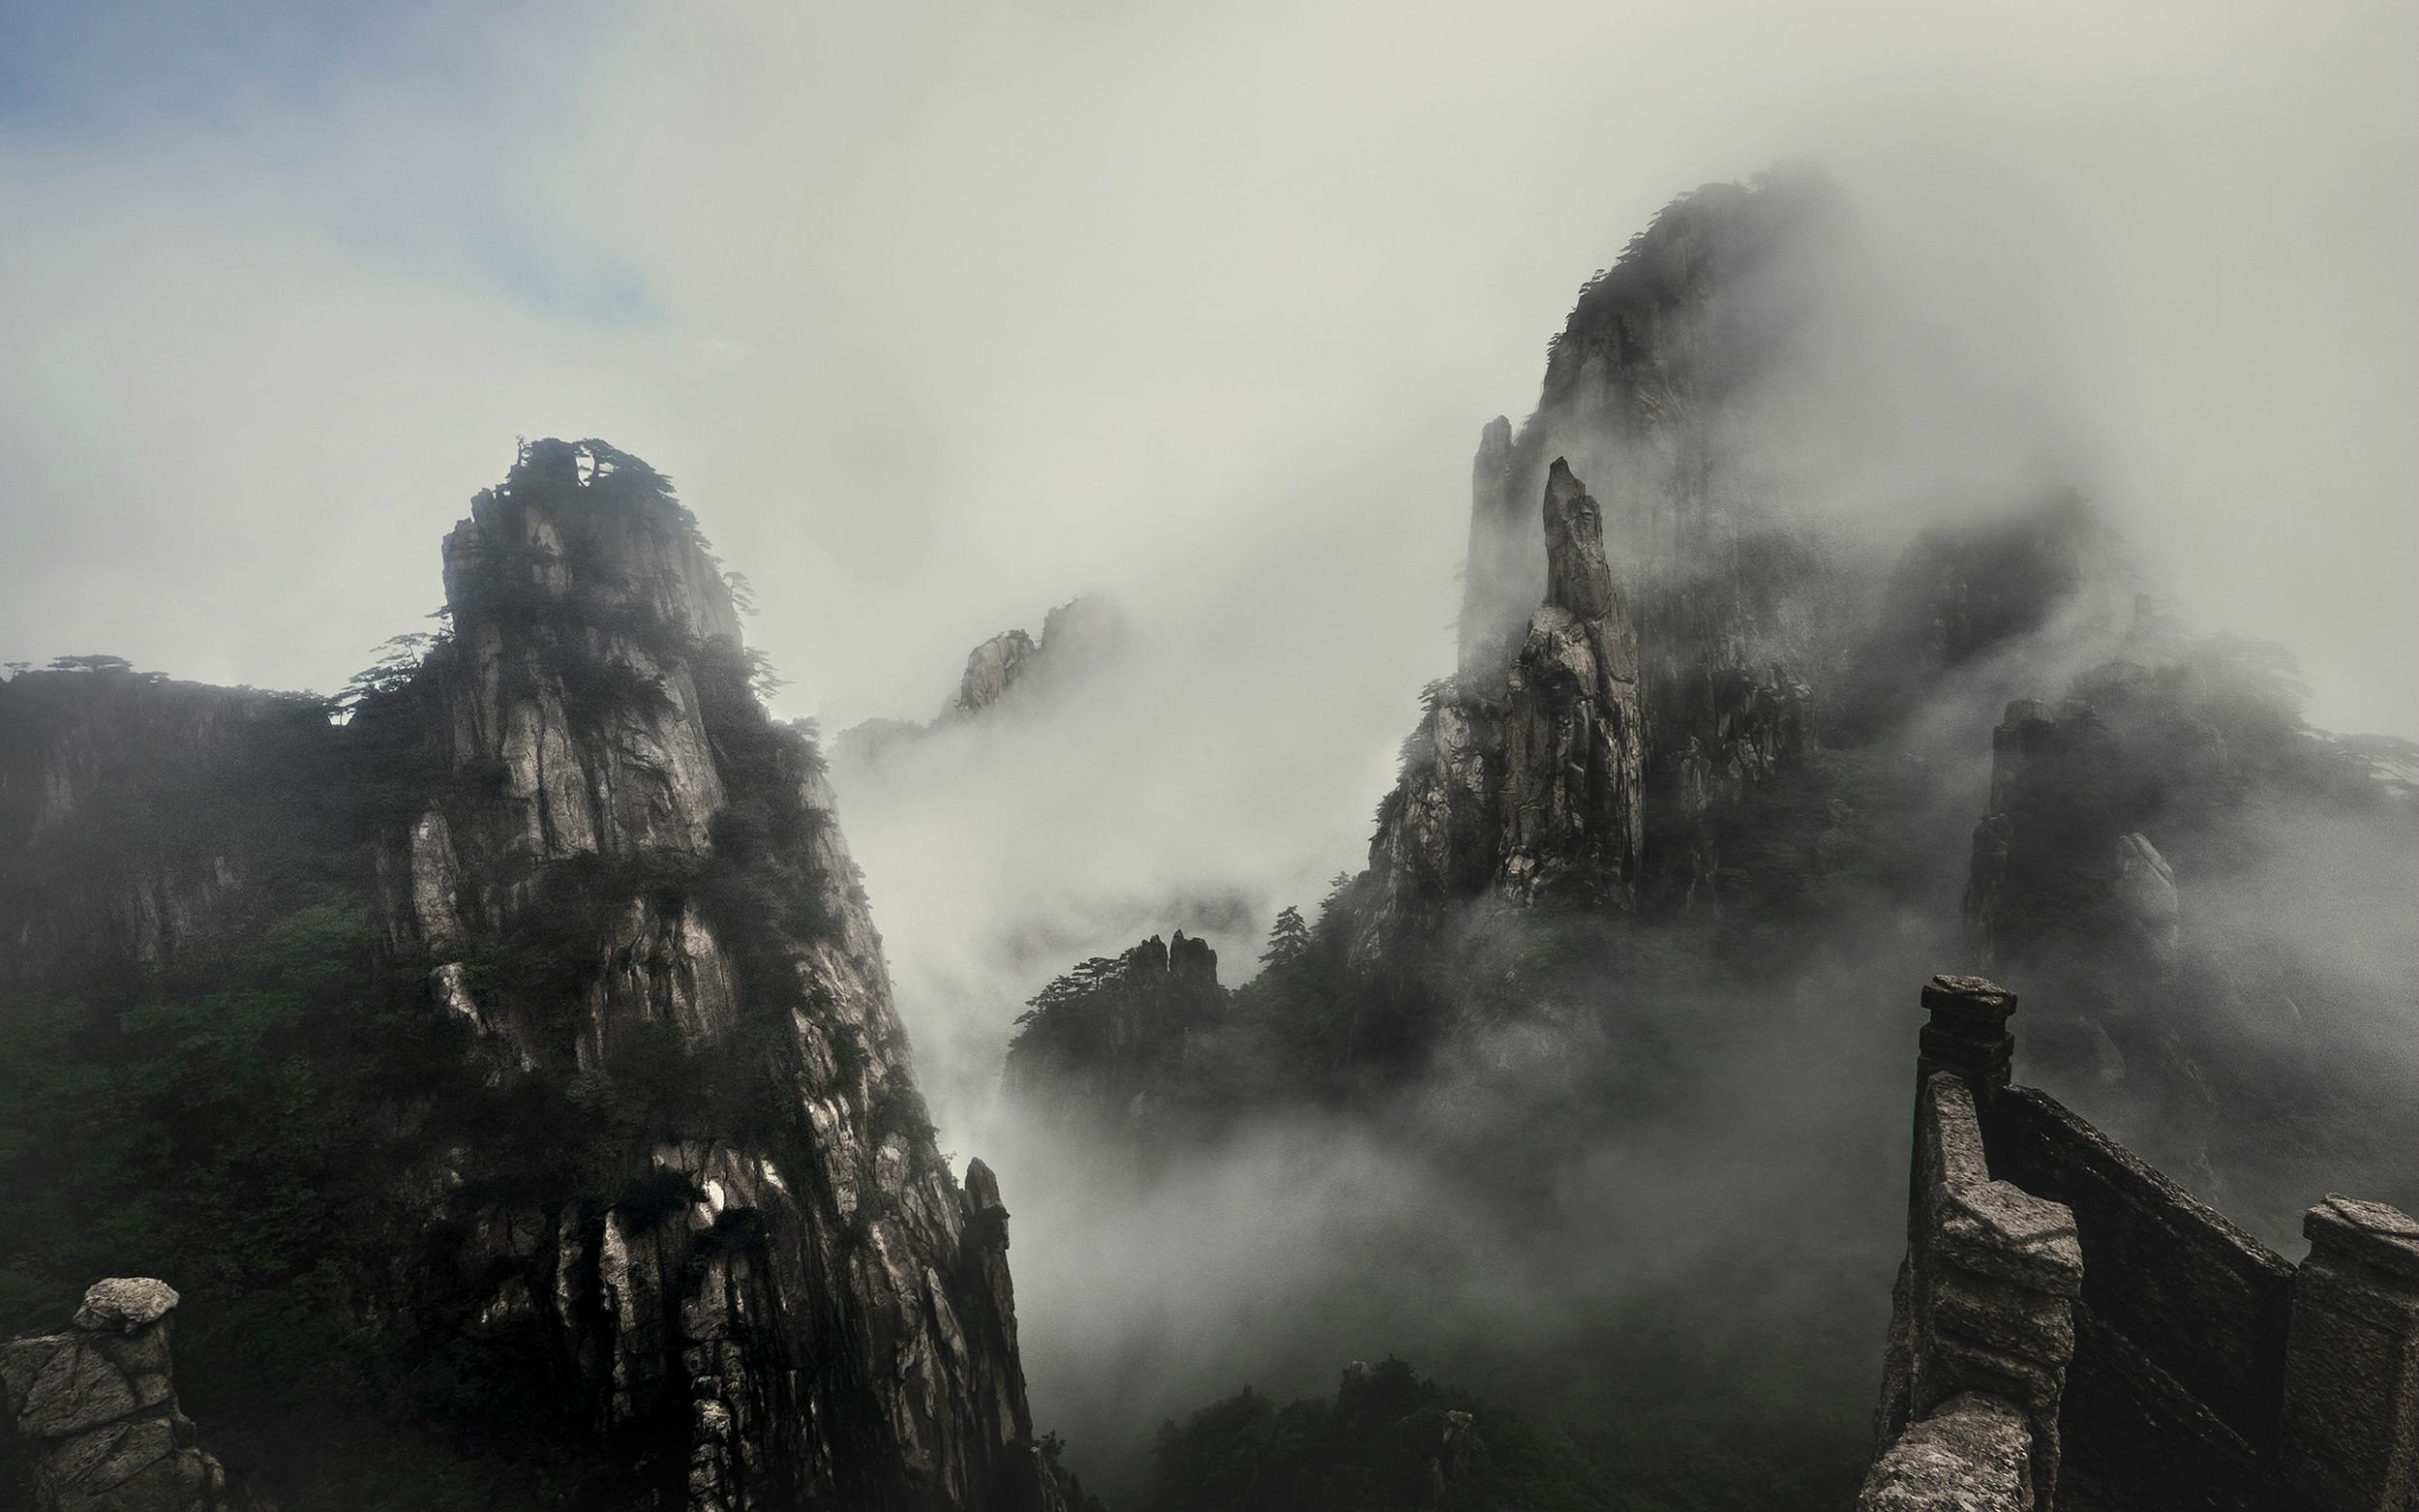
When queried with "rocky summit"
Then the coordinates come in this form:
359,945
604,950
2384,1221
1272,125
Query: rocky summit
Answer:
646,1166
1526,782
815,1295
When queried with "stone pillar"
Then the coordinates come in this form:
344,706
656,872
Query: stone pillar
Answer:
2348,1440
98,1409
1994,1272
1968,1036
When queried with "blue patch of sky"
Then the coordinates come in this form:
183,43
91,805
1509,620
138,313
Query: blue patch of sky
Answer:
112,74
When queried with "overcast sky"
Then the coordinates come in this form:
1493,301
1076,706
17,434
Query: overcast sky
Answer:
939,313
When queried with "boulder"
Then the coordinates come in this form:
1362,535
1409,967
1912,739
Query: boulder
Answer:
98,1407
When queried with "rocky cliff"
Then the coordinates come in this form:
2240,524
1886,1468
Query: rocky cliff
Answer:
2145,865
630,874
1677,368
2057,867
602,1164
1077,635
1094,1048
1624,681
1523,784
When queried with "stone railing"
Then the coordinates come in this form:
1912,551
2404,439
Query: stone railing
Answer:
2066,1309
1982,1327
2348,1435
2181,1327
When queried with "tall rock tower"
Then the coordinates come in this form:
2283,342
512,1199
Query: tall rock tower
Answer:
1526,786
727,1221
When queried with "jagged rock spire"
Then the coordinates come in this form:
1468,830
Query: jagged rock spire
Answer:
1526,782
1573,744
1577,577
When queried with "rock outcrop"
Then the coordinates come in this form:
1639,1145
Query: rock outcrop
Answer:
1076,636
1010,671
1498,569
992,668
1100,1045
629,875
1621,685
1698,341
1529,786
98,1404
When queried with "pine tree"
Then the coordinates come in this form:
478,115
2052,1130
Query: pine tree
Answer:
1289,940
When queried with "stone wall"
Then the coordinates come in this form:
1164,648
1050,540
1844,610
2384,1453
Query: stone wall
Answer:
2348,1426
2073,1329
1982,1327
2182,1314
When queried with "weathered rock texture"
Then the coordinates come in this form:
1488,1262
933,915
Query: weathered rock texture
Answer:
2349,1429
1625,677
1669,366
2158,1355
1984,1301
623,869
992,668
98,1402
1533,789
684,1187
1974,1454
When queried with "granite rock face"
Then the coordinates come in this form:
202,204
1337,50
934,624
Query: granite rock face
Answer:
1529,786
992,670
98,1404
808,1290
1671,362
1076,635
1497,570
1625,678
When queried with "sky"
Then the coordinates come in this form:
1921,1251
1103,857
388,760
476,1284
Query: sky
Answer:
940,314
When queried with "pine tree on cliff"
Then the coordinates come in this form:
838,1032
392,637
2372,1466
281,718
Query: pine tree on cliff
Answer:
1289,940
